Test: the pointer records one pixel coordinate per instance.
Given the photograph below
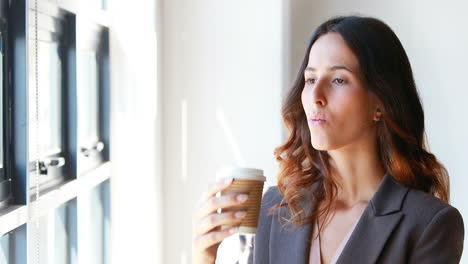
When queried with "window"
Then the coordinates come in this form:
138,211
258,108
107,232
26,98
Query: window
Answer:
45,121
49,118
93,92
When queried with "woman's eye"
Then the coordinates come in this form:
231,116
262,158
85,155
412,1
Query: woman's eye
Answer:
310,81
338,80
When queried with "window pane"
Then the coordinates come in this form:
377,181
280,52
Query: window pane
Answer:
88,96
50,93
5,249
54,244
92,224
13,246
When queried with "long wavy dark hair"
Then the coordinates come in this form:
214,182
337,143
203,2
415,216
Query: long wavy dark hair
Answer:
403,151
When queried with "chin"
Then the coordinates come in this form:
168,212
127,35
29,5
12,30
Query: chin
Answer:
320,146
324,145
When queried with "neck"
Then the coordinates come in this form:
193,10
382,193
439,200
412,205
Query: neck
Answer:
358,171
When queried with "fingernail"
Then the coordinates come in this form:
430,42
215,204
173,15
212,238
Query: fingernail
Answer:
242,197
227,181
239,214
232,230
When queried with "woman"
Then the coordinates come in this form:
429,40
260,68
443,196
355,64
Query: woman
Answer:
356,182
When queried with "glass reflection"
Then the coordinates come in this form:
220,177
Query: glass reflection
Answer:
50,93
88,96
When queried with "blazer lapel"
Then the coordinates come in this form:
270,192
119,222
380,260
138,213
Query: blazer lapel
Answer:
288,246
376,224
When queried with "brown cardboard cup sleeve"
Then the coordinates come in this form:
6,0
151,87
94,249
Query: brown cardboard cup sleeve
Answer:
248,181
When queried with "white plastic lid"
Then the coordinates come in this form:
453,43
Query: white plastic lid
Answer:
240,173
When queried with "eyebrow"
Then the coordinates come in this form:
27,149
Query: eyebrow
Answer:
332,68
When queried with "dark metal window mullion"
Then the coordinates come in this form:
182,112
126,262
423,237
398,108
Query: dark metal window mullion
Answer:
69,98
104,92
5,182
17,158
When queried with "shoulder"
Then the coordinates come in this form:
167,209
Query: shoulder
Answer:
424,208
271,197
436,226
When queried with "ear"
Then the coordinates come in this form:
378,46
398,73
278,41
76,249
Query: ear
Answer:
377,106
377,115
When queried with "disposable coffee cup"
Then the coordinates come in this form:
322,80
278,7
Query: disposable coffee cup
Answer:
248,181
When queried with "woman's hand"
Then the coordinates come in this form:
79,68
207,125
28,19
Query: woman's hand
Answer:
207,233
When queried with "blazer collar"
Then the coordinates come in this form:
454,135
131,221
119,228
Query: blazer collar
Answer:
389,196
375,225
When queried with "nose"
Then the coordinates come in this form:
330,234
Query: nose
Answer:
318,96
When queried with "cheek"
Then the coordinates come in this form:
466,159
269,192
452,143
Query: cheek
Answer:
352,106
303,98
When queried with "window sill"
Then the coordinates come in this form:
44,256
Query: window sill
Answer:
17,215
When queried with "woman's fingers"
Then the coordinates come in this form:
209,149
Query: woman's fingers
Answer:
223,201
212,238
214,220
213,189
207,233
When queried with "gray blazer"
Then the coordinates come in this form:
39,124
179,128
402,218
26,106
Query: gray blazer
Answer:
399,225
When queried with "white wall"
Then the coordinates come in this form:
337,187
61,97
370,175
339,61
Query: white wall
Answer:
223,60
433,34
136,184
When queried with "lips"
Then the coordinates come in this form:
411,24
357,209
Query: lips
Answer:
317,120
317,117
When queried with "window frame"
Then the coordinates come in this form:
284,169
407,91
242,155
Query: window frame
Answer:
67,53
5,180
96,39
17,218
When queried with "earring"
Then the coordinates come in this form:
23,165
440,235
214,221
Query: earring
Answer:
377,116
